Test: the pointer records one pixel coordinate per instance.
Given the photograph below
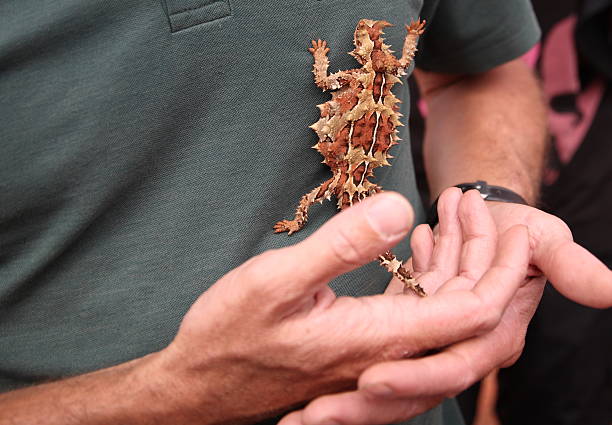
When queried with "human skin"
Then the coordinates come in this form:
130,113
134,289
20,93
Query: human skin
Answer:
491,127
271,334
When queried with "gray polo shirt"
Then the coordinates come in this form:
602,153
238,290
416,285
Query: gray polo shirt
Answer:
147,147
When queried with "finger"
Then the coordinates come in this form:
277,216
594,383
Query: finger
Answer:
444,262
460,365
293,418
396,286
479,241
359,408
422,244
445,375
509,269
451,316
352,238
578,274
574,271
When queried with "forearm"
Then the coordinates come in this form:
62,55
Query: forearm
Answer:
488,127
121,395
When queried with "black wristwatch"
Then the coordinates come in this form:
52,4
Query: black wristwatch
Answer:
488,193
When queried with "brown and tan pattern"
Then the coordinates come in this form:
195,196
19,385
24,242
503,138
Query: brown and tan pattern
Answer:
359,124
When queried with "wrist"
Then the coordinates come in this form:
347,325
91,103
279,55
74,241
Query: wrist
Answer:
169,390
143,391
131,393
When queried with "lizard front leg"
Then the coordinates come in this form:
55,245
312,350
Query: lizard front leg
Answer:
318,194
415,29
319,51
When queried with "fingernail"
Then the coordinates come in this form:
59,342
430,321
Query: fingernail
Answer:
390,215
379,390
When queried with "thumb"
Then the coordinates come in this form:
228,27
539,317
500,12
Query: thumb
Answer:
573,270
576,273
351,239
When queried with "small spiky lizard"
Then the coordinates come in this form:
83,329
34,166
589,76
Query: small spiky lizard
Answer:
359,125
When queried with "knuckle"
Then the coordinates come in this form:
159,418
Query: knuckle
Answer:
543,224
257,269
464,382
487,317
514,358
518,350
465,379
469,274
563,227
473,313
560,225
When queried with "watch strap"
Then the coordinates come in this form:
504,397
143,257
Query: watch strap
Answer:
487,192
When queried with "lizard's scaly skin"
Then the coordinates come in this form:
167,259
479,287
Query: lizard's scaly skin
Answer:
358,125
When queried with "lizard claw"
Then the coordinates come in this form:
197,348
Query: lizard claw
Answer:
318,46
416,27
290,226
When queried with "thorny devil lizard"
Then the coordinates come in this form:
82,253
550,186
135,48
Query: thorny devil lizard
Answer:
359,125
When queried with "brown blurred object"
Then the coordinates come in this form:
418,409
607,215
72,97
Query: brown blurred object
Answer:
487,399
564,376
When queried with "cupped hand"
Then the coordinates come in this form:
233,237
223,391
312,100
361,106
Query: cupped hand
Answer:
466,257
455,259
271,334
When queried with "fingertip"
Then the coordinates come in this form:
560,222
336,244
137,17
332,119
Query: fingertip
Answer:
293,418
518,234
475,218
389,214
322,410
422,244
474,195
449,196
352,238
375,380
448,204
423,231
451,191
471,203
580,276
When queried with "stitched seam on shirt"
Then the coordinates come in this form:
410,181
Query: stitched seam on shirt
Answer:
227,2
190,27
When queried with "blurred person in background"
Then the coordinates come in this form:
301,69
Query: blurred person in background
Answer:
564,376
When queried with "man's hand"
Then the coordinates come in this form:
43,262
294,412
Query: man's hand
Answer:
271,334
573,271
461,259
459,255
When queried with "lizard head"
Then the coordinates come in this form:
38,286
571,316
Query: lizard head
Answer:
368,38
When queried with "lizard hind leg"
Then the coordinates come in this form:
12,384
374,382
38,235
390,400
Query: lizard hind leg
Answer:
389,261
318,194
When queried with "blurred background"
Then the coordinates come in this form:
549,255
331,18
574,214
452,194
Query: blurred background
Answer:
564,376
